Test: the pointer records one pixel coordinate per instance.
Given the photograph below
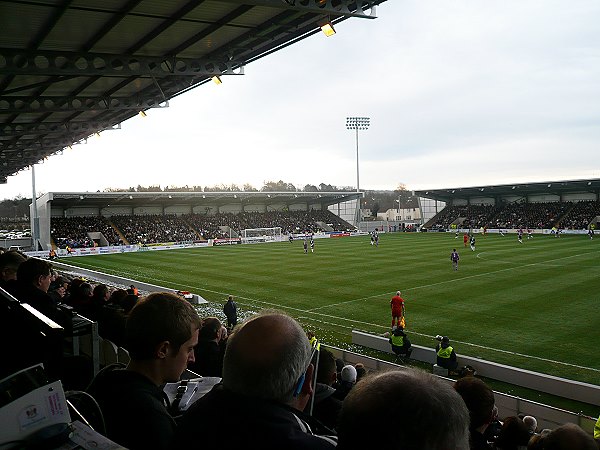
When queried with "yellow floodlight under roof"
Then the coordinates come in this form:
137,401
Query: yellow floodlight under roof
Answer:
327,28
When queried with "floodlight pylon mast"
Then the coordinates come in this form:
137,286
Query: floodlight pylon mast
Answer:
358,123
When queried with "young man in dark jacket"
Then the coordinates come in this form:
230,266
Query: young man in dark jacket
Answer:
161,333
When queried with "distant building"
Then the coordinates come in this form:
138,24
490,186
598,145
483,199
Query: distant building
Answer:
412,215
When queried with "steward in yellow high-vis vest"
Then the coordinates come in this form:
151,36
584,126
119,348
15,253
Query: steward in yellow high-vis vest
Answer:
401,345
446,356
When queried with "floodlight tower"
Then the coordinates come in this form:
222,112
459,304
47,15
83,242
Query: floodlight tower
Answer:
357,123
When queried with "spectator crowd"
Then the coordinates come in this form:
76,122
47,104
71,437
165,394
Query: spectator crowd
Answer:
74,232
539,215
278,386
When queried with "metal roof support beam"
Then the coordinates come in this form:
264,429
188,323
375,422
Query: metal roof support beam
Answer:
17,129
38,62
332,7
42,144
20,104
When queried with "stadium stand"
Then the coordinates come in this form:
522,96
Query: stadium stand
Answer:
580,215
74,231
154,228
531,215
149,229
542,215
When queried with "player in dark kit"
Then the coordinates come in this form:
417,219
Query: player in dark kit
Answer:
454,258
305,244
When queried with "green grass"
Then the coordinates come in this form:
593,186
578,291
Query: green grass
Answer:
532,305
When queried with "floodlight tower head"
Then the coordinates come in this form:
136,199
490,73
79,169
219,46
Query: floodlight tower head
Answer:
358,123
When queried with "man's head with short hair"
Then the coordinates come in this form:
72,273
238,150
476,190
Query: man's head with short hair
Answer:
161,333
9,264
128,302
513,433
430,415
479,399
36,272
361,371
327,372
211,329
397,292
59,286
265,358
101,292
85,289
530,422
159,317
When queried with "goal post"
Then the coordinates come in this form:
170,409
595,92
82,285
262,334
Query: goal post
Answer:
252,235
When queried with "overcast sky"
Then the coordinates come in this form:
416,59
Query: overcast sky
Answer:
459,93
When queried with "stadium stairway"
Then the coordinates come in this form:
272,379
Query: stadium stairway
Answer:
121,235
324,226
199,237
566,214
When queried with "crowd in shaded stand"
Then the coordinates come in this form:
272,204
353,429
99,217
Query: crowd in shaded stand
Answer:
579,217
289,221
531,215
146,229
267,371
475,216
446,216
149,229
73,231
566,215
478,216
209,226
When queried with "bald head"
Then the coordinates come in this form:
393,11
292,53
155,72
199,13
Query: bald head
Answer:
265,357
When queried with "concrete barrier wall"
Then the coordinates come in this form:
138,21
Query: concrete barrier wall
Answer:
562,387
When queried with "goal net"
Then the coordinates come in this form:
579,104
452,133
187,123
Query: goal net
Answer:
251,235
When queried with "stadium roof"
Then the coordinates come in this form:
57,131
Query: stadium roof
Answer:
519,189
134,199
71,68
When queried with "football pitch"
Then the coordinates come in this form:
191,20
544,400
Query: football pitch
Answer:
531,305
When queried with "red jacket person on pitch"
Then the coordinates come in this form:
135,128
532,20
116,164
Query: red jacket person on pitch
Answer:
397,304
